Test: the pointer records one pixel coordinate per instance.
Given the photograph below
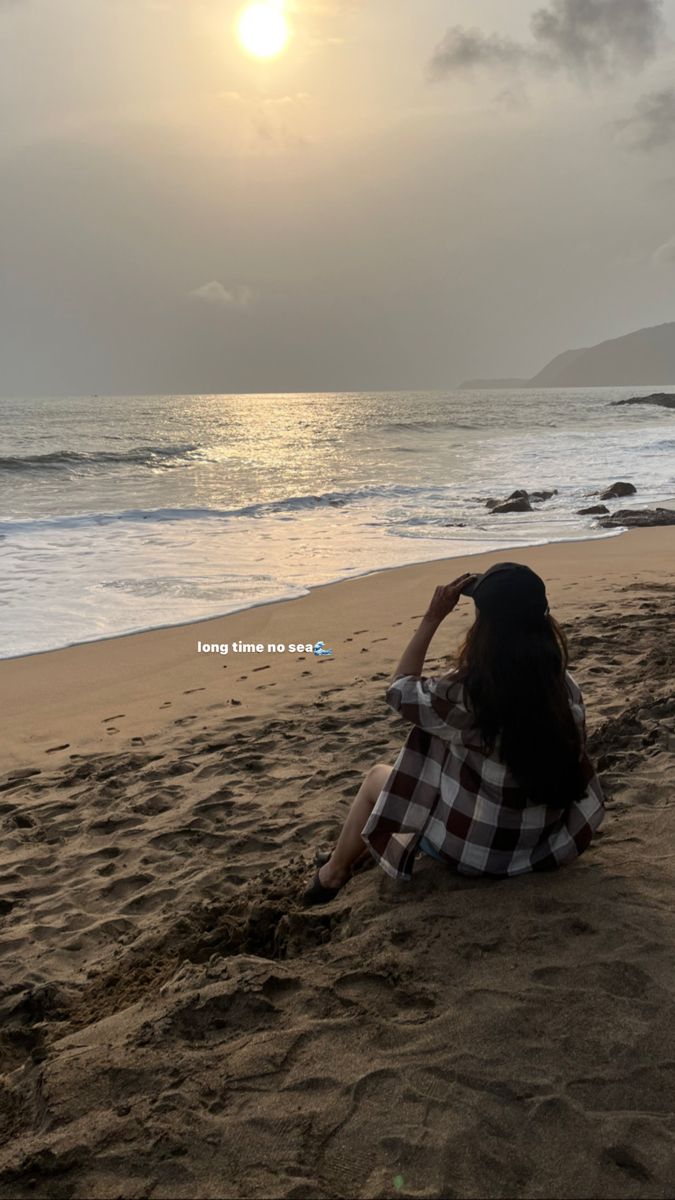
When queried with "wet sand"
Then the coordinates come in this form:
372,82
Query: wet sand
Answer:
174,1024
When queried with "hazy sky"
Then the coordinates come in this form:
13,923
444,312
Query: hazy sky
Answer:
416,191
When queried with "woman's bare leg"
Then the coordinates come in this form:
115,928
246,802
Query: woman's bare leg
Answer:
349,846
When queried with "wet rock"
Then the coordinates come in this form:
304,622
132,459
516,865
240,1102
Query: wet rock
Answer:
617,490
514,506
519,501
663,399
593,510
639,518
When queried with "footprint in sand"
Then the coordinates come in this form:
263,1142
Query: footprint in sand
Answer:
112,825
127,886
181,767
53,749
191,690
116,717
23,773
107,852
22,821
166,704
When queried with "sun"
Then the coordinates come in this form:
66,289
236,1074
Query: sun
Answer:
263,29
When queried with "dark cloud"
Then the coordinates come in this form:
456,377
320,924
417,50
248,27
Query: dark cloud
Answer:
465,48
583,37
652,122
599,35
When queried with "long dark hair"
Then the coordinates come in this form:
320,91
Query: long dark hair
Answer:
514,674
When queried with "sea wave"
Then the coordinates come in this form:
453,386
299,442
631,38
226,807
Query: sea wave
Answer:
55,460
287,505
422,426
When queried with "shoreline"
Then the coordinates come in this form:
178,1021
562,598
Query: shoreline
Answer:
98,696
309,589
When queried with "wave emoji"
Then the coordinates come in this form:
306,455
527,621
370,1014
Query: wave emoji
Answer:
321,650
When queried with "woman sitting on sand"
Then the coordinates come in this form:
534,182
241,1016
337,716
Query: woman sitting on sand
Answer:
494,778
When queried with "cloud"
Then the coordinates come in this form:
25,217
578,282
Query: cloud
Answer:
514,97
665,255
465,48
599,35
582,37
652,122
215,294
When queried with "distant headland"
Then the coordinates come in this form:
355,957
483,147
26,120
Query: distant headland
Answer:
646,356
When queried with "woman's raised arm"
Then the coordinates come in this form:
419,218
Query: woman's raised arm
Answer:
444,599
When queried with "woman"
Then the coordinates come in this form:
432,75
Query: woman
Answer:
493,778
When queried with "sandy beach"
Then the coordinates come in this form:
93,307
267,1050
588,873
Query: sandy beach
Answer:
174,1024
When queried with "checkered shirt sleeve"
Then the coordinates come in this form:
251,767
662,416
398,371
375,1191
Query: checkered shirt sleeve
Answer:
435,705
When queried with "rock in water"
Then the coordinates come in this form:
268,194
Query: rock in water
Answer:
639,518
519,501
514,506
618,489
664,399
595,509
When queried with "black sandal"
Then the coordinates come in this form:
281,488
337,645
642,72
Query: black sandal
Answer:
318,894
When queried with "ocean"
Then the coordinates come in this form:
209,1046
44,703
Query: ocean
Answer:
128,513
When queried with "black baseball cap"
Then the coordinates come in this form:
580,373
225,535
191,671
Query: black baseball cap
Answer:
509,590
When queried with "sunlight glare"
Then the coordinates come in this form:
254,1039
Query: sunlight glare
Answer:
263,29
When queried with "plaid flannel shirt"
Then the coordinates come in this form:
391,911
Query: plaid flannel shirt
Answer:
466,803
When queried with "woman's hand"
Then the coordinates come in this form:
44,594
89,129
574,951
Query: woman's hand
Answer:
445,598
